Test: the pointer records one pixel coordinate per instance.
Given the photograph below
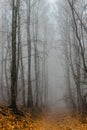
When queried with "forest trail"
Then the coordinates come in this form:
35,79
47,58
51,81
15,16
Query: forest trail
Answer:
56,120
46,120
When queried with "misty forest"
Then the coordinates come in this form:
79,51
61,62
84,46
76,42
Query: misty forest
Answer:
43,64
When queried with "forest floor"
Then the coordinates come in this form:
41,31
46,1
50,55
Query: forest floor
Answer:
46,120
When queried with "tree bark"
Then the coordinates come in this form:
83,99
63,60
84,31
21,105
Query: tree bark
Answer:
13,65
30,100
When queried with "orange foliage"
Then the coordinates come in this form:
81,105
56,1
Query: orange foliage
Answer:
42,122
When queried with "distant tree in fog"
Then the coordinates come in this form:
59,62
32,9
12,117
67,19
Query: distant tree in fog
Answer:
25,31
74,36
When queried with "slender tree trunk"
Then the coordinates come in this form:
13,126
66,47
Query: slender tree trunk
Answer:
30,100
23,81
2,64
6,76
20,60
14,67
19,43
20,56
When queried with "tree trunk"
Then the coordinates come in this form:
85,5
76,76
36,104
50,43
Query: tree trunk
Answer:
30,100
13,65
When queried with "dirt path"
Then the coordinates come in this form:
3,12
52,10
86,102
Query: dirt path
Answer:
53,121
61,121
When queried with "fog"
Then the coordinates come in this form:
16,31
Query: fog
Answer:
55,56
43,53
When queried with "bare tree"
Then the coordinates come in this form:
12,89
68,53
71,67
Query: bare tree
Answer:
13,66
30,100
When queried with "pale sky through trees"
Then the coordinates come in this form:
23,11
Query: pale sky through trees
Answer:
51,1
